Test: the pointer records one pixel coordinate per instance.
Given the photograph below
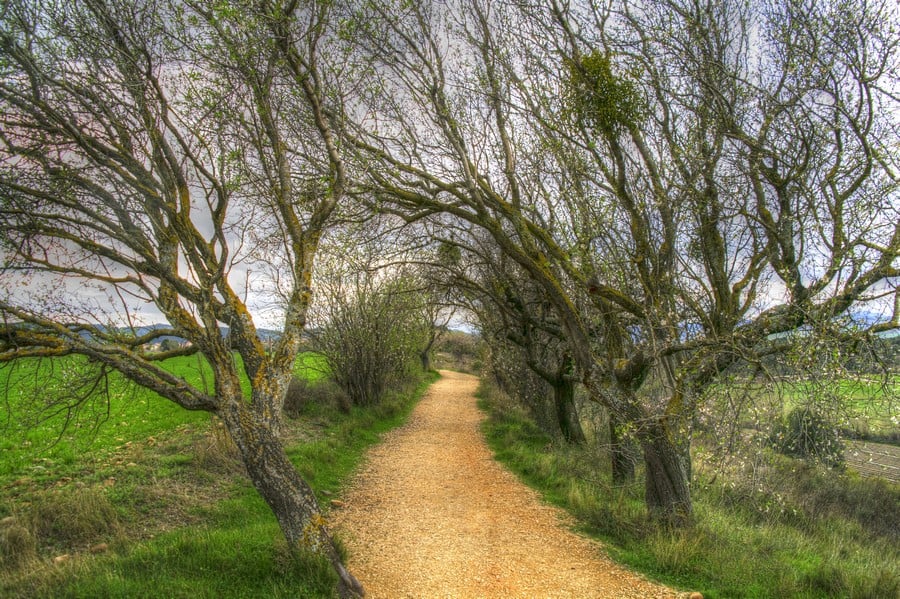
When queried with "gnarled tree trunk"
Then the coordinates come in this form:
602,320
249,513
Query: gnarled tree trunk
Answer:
284,490
566,412
667,486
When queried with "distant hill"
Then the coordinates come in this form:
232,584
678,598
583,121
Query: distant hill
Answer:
264,334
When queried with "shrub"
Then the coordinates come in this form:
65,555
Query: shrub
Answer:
458,351
809,435
295,397
302,393
371,340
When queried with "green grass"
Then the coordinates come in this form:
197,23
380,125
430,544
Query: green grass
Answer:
39,441
235,552
180,520
832,536
311,366
869,402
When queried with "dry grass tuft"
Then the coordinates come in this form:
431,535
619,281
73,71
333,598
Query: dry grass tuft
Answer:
17,544
302,393
79,516
216,451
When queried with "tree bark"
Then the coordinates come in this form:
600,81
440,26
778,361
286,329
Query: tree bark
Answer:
566,412
284,490
667,490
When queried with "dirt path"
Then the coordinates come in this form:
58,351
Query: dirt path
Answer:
432,515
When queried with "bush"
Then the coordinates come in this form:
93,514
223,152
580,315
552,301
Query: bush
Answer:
371,341
809,435
296,397
302,393
458,351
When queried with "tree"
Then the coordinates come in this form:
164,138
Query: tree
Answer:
372,334
528,351
371,318
148,152
435,315
681,180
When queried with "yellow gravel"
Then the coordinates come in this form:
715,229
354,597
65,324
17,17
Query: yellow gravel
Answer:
431,514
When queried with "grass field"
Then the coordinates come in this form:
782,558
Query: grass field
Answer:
42,438
39,435
155,502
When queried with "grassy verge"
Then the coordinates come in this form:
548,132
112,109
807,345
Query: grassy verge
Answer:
174,516
829,535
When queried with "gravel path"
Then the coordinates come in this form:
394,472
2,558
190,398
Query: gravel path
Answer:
431,514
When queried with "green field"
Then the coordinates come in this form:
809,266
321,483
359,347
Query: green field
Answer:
864,406
42,438
867,405
161,491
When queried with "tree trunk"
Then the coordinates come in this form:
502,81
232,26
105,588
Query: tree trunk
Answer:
566,412
425,358
667,491
284,490
623,454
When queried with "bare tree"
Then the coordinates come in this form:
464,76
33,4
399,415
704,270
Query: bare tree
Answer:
372,333
150,151
680,179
